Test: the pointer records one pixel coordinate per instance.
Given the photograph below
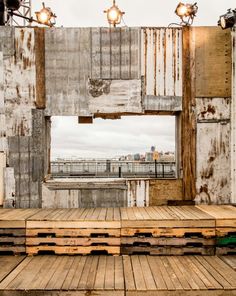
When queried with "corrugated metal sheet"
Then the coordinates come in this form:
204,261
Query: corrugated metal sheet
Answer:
161,56
233,120
115,53
213,151
75,56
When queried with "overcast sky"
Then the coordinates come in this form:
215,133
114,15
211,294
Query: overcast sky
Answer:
107,138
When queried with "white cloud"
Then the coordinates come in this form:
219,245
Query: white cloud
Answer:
108,138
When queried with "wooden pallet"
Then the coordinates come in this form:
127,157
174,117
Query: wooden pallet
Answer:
225,231
166,217
224,215
15,218
15,250
81,241
128,250
220,251
73,250
153,241
12,241
226,241
12,232
96,218
76,232
169,232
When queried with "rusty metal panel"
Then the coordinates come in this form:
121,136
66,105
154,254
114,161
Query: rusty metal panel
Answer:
161,56
19,84
212,61
213,162
115,96
213,109
233,121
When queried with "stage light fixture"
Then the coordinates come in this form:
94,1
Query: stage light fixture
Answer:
114,14
186,12
45,16
228,19
13,4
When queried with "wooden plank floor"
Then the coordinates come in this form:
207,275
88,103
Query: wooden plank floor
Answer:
119,275
166,216
7,264
161,216
76,218
230,260
225,215
15,218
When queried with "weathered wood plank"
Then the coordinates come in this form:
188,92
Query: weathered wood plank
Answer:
188,127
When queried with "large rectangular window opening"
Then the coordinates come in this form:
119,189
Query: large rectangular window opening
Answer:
130,147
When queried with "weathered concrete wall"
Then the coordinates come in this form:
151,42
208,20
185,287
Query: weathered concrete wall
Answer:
22,125
73,193
87,193
162,191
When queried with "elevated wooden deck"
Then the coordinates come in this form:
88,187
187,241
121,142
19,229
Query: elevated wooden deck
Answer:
116,275
163,230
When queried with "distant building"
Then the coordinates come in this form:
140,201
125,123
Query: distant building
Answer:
167,157
153,148
137,156
149,156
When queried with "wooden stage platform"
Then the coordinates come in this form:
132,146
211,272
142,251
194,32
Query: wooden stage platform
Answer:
163,230
116,276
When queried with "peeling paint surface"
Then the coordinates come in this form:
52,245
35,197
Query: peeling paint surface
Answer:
19,84
213,163
161,56
214,109
124,97
138,193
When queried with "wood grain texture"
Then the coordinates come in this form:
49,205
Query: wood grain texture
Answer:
188,128
40,67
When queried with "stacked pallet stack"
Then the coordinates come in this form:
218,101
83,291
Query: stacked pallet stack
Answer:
12,230
74,231
167,231
225,217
